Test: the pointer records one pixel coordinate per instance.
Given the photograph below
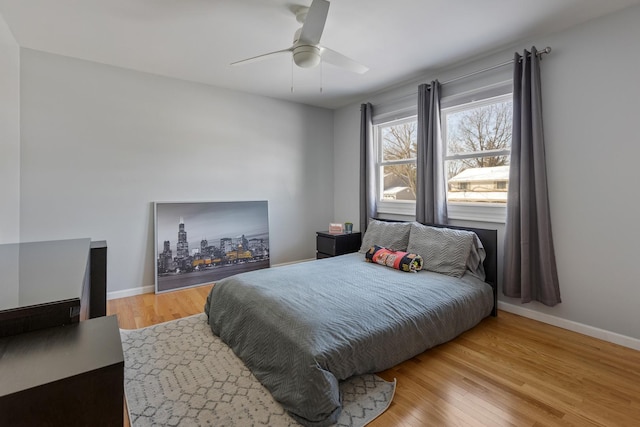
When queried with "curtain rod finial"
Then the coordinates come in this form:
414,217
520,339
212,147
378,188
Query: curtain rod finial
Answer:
544,51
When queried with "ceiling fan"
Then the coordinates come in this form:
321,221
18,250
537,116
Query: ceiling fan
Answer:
306,49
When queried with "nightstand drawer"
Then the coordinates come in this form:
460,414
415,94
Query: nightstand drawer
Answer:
328,245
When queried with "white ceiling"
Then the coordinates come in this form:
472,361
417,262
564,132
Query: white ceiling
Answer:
196,40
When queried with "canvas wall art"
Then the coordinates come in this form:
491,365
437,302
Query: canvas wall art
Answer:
200,242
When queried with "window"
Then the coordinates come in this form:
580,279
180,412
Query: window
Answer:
476,131
477,136
396,145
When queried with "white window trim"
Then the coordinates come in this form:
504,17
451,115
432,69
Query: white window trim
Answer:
481,212
396,207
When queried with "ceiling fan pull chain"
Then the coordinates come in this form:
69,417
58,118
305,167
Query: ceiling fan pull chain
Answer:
321,75
291,73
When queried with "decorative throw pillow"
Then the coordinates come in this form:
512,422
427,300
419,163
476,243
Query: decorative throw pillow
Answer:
399,260
392,235
444,250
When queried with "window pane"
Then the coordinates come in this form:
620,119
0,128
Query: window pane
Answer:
469,181
477,129
480,128
399,141
399,182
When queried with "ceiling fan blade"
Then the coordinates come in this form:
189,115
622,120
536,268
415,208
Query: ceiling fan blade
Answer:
314,22
261,57
339,60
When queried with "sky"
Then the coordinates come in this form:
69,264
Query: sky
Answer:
211,221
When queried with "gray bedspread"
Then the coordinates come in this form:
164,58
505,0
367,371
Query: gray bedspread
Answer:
302,328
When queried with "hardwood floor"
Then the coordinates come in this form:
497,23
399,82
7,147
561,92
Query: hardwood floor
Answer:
508,370
149,309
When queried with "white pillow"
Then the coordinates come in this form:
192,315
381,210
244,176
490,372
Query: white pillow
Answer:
390,235
443,250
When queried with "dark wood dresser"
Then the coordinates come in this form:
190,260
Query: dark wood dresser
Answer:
70,375
56,370
51,283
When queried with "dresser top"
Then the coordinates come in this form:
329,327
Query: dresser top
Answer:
42,357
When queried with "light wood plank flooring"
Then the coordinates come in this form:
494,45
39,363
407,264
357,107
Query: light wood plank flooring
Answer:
508,370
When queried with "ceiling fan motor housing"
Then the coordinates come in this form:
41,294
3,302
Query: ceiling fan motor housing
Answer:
306,56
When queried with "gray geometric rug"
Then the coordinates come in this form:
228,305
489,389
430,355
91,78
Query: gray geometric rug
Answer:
179,374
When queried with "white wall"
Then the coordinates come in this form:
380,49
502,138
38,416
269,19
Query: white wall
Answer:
346,165
591,109
591,122
100,144
9,136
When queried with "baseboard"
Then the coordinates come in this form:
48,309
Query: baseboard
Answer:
570,325
150,289
131,292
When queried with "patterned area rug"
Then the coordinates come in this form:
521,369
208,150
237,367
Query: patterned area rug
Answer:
179,374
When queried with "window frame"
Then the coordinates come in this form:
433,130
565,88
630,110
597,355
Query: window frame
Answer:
393,207
474,211
401,111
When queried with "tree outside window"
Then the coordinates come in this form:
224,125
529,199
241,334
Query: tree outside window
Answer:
397,146
478,140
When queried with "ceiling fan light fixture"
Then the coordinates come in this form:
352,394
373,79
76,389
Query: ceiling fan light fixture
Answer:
306,56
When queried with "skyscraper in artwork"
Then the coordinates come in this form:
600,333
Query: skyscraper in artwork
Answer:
182,247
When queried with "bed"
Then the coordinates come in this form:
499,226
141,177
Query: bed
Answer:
303,328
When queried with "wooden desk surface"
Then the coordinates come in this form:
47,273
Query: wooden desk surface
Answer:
42,357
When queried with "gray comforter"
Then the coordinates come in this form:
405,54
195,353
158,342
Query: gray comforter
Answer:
302,328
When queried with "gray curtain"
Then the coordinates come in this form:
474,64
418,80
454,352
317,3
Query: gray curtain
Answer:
431,194
530,268
367,167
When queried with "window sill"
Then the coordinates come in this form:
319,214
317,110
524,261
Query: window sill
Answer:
479,212
482,212
407,208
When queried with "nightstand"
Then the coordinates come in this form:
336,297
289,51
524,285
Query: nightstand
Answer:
329,245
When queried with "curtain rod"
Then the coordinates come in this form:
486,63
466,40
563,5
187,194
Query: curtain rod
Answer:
539,53
455,79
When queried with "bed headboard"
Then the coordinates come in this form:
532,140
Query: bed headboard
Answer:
489,239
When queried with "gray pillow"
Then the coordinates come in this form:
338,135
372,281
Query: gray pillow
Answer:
390,235
477,255
443,250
